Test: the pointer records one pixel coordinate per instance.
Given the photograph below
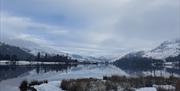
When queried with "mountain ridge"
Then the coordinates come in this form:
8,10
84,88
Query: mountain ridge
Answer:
165,50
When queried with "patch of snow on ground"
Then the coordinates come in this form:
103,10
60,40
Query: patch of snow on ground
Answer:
165,87
146,89
51,86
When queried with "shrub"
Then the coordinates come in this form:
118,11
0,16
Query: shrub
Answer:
23,86
45,81
111,86
105,78
129,89
161,89
35,82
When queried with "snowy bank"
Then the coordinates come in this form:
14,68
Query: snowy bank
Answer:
146,89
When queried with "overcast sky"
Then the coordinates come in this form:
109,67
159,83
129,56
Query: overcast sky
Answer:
90,27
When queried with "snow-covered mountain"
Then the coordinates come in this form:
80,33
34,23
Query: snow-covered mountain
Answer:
88,58
50,51
13,49
164,50
112,58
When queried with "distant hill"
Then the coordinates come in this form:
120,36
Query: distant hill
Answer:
9,50
164,50
168,51
14,53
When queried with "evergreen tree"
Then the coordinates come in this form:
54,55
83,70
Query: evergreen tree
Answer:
46,57
1,57
38,58
6,57
14,58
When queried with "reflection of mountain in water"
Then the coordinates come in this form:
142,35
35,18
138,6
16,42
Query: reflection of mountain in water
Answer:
12,71
150,71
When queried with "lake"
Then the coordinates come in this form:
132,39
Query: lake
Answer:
12,75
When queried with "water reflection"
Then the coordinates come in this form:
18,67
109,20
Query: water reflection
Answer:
12,71
151,71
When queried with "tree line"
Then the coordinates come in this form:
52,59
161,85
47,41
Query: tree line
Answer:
54,58
9,57
174,59
39,58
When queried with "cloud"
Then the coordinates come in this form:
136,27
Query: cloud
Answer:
92,27
26,23
25,29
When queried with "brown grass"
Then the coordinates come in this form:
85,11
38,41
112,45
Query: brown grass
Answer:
142,81
115,81
178,85
81,84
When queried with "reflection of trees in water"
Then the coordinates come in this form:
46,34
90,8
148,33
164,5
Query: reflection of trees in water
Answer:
55,67
12,71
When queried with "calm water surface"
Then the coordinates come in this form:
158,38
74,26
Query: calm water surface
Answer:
14,71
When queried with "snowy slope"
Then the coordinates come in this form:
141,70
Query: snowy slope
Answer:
112,58
87,58
166,49
50,51
34,50
6,49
